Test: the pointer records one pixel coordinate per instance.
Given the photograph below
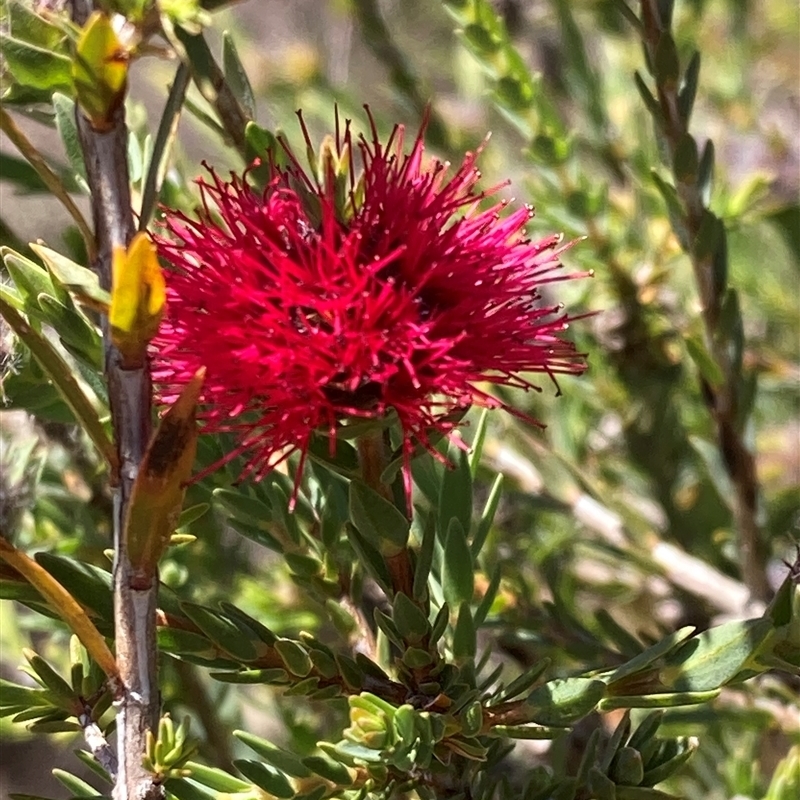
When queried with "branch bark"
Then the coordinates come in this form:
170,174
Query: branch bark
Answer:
722,401
137,697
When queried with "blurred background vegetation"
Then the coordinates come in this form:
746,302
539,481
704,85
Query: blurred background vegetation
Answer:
620,513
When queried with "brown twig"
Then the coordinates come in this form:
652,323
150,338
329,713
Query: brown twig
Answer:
97,744
137,701
722,400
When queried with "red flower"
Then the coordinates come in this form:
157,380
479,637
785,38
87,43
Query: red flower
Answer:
321,300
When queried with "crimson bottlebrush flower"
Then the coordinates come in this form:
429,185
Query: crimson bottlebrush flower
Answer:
328,298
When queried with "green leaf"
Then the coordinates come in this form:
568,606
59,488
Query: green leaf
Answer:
28,26
294,656
647,96
562,702
715,657
657,700
222,631
370,557
89,585
36,67
457,566
488,598
29,278
688,90
274,676
464,639
266,778
64,108
79,281
78,787
685,160
704,361
476,448
412,624
455,491
386,624
76,333
487,516
627,767
666,66
422,568
674,209
522,683
329,769
351,674
649,656
236,76
668,768
216,779
377,519
58,688
162,148
284,761
705,172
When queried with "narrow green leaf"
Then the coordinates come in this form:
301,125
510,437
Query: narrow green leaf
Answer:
455,492
331,770
688,90
281,759
64,108
464,639
77,334
629,14
562,702
522,683
647,96
666,770
487,516
58,688
457,566
662,700
704,361
216,779
236,76
266,778
440,624
674,209
705,172
76,279
162,148
667,64
649,656
77,786
488,597
377,519
370,558
273,676
386,624
527,731
422,569
476,449
685,160
221,631
409,619
260,630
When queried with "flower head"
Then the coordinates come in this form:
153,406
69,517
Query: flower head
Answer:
327,297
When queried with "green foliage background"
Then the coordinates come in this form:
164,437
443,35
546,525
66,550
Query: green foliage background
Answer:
615,524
